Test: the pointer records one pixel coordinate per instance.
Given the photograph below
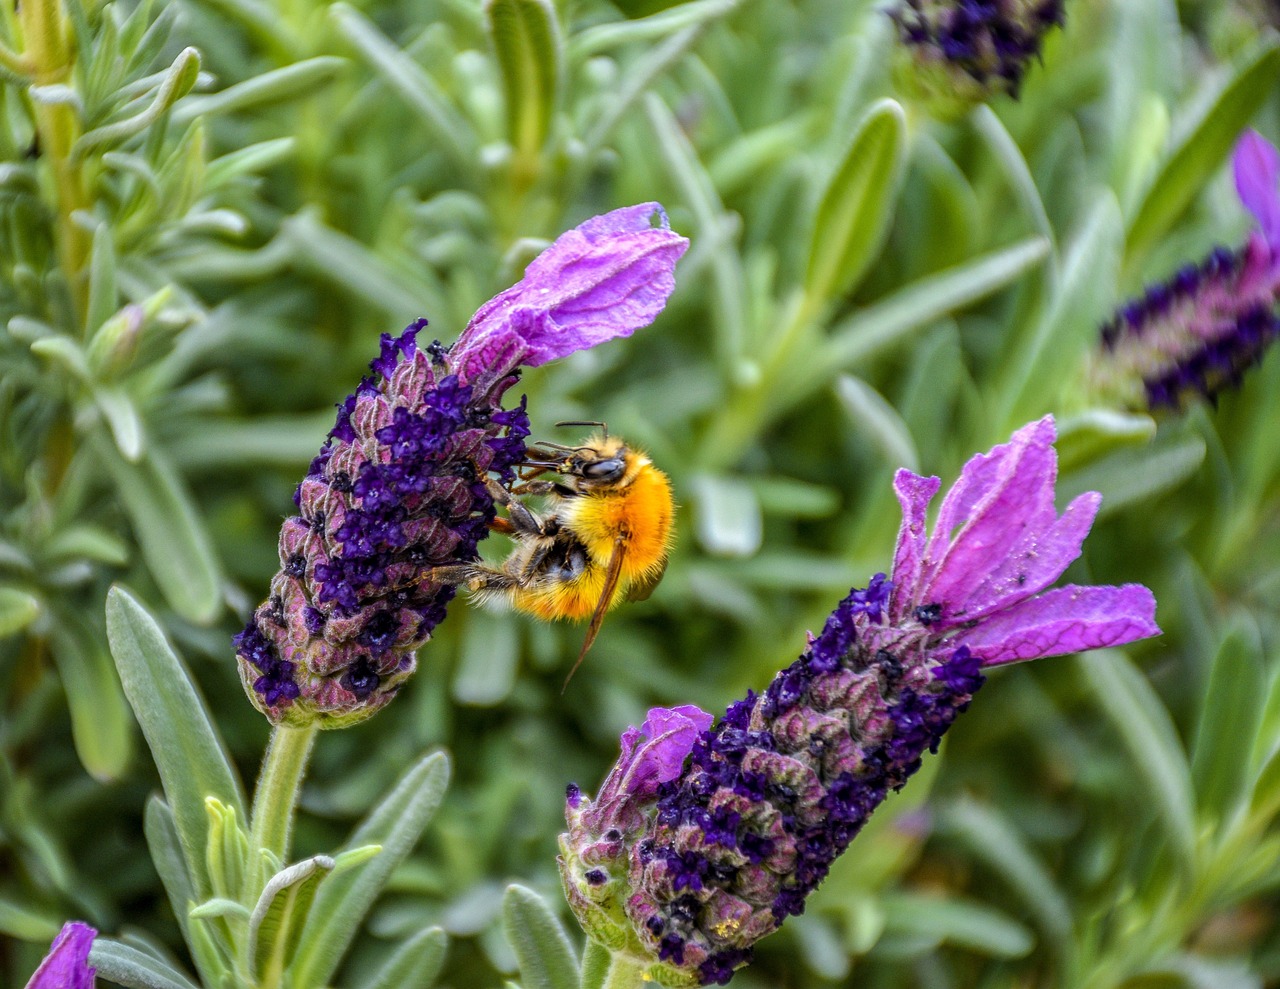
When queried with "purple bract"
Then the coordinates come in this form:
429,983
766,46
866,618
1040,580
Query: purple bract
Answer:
66,966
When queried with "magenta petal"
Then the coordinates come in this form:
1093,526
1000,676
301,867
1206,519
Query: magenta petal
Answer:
1018,503
66,966
1257,169
604,279
1039,559
914,494
1068,619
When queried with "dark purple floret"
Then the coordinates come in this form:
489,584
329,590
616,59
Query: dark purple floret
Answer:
991,42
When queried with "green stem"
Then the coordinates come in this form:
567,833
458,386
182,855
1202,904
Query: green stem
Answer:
276,793
626,973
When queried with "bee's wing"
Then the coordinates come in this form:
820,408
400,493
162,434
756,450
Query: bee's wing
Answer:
611,577
642,588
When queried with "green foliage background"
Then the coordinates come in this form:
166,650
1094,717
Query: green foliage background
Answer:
210,209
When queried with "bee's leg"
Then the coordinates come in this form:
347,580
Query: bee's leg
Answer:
542,487
523,521
472,576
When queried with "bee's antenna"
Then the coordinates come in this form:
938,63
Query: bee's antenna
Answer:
586,422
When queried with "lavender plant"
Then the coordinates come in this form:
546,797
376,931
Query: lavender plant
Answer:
867,288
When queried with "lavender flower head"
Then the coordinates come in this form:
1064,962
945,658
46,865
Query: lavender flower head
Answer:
965,51
399,486
688,880
66,966
1200,330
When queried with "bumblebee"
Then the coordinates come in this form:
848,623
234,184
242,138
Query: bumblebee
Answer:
603,539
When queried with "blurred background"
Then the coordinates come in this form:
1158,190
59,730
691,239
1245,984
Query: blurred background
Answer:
230,200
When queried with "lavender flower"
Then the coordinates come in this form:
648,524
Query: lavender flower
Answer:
1200,330
779,787
66,966
400,484
967,50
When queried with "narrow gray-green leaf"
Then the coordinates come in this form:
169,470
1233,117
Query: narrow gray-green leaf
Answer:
878,421
415,964
990,837
101,726
853,214
396,823
449,130
278,85
1135,476
183,741
526,40
122,419
1151,740
918,304
1203,149
18,609
546,956
127,966
281,914
177,83
961,922
102,280
596,960
170,531
1229,725
165,845
727,519
603,37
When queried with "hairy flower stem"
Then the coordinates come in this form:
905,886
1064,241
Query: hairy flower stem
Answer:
48,51
276,794
626,973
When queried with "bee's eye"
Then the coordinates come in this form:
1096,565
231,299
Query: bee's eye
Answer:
604,470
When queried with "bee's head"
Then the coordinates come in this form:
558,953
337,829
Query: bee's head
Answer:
601,461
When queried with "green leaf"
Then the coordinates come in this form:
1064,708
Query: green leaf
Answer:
85,541
486,670
165,846
1229,725
596,960
1203,148
18,609
396,823
1131,477
170,531
134,969
879,421
20,923
526,40
281,914
421,93
122,419
415,964
220,907
962,922
186,748
727,516
546,956
102,280
989,836
302,78
603,37
100,723
920,303
1151,740
853,215
177,82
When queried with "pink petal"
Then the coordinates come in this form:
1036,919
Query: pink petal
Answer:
66,966
1068,619
1257,167
1018,502
604,279
914,494
1035,562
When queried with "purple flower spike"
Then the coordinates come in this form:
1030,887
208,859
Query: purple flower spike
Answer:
1257,172
604,279
774,792
1200,330
66,966
399,487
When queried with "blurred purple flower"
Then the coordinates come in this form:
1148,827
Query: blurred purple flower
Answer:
779,787
399,486
1200,330
66,966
